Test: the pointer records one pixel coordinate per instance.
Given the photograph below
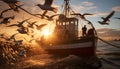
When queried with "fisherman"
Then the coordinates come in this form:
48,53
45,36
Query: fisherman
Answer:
90,32
84,29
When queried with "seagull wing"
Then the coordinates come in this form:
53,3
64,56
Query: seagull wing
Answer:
76,14
11,37
5,11
109,16
117,18
20,23
33,22
53,15
41,26
12,25
48,2
87,14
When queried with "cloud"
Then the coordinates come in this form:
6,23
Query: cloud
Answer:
86,3
116,8
108,33
78,8
84,6
91,8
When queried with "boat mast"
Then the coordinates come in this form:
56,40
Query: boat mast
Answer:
66,10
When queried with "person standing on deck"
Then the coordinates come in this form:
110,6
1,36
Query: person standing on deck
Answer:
84,29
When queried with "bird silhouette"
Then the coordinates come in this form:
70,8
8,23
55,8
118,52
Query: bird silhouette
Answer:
47,7
12,37
12,4
41,15
82,16
31,24
18,42
106,20
40,26
1,14
20,24
23,30
29,41
6,20
103,23
117,18
50,18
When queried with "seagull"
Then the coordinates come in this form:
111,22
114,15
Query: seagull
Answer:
82,16
103,23
1,14
20,24
40,26
31,24
12,37
29,40
23,30
105,20
6,20
47,7
117,18
42,15
12,4
50,18
18,42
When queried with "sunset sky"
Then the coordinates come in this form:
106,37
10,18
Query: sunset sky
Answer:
100,8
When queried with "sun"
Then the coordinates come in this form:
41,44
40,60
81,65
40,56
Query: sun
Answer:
46,32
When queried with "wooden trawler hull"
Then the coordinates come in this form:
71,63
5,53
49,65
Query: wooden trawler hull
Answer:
80,49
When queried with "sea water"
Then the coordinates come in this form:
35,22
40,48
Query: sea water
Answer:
109,55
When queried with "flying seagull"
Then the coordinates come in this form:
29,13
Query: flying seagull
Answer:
6,20
117,18
29,40
50,18
47,7
31,24
18,42
12,4
23,30
106,20
103,23
40,26
20,24
82,16
41,15
1,14
12,37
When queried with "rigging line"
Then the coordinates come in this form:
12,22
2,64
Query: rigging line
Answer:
108,43
110,62
115,43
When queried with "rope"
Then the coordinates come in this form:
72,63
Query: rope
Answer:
110,62
108,43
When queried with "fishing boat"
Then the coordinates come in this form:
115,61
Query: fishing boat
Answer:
65,39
